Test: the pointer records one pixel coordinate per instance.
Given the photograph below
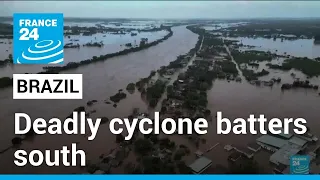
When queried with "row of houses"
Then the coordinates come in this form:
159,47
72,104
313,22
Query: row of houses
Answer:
283,145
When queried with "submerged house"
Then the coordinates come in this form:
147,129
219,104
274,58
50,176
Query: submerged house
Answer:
283,145
200,165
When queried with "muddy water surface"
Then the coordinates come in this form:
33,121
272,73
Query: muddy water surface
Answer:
100,81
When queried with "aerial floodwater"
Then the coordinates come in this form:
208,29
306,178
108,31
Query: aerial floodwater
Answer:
196,71
111,43
100,81
299,47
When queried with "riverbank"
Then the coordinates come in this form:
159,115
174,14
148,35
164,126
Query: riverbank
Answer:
229,96
101,80
73,65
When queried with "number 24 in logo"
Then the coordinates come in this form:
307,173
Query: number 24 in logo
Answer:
26,35
296,163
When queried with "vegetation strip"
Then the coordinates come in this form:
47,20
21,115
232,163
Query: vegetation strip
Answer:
73,65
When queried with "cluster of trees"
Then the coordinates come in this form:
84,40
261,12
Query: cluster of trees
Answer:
141,84
251,75
304,84
95,44
143,81
143,146
171,163
5,82
212,40
299,84
154,165
7,61
6,31
198,77
251,56
118,97
128,45
88,31
71,45
253,64
307,66
196,29
228,67
182,151
154,29
176,64
195,100
283,67
197,46
194,93
150,163
143,42
267,28
166,143
211,46
131,87
230,42
155,92
172,94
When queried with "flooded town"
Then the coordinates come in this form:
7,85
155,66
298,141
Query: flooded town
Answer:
191,68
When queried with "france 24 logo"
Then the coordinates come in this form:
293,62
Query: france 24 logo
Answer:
300,164
38,38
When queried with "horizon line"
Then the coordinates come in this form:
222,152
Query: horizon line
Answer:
173,18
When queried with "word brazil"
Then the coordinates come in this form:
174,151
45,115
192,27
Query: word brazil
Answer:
47,86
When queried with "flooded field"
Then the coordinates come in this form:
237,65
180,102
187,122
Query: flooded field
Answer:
115,24
217,26
298,48
101,80
135,24
239,100
112,43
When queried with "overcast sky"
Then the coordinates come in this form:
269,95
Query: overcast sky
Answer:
166,9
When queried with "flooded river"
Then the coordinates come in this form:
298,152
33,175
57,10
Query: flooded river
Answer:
103,79
100,81
112,43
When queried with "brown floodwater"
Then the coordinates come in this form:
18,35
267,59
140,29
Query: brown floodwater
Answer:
298,47
239,100
112,43
103,79
100,81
